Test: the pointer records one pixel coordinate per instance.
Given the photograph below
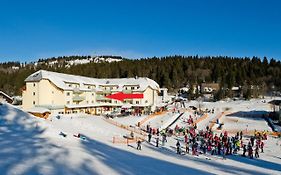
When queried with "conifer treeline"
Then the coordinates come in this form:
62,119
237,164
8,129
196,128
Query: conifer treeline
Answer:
172,72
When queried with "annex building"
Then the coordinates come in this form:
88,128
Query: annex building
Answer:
64,94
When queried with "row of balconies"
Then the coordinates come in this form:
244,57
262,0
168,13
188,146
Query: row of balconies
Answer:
80,98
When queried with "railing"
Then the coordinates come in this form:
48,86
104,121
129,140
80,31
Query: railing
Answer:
151,116
121,140
214,121
201,119
127,91
129,128
78,98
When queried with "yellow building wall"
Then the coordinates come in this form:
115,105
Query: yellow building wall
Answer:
50,94
148,96
42,93
29,100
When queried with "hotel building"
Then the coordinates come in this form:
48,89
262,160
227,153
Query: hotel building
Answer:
64,94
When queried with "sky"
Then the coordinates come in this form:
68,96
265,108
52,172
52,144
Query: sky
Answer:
32,29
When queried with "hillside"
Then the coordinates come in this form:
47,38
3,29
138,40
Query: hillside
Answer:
172,72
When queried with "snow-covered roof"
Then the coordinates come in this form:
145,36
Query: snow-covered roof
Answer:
39,110
61,80
6,96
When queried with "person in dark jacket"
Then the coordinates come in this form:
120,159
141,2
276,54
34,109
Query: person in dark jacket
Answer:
139,144
178,147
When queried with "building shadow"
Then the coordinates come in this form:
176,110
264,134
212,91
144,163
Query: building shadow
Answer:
124,162
232,169
252,115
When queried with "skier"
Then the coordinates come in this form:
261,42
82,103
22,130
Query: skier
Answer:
178,147
157,140
244,151
139,145
163,139
187,147
262,145
204,147
224,152
213,149
257,152
250,151
252,139
149,137
195,126
132,134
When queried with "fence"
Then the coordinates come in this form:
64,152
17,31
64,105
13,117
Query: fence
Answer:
129,128
122,140
150,117
215,120
201,119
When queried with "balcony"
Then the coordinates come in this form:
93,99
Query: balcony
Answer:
78,98
127,91
101,97
106,91
77,91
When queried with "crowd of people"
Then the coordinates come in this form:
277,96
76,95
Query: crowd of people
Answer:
194,141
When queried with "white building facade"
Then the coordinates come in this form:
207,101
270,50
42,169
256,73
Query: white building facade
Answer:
65,94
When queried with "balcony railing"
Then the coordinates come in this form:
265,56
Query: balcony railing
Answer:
77,98
127,91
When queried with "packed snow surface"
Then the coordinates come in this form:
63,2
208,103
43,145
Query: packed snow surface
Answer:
30,145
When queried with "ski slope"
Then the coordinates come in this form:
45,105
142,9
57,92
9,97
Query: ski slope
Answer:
31,145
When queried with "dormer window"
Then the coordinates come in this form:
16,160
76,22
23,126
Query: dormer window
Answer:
35,75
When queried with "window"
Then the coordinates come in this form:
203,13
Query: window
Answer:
92,101
68,93
34,84
89,87
52,92
33,102
69,85
132,88
146,101
33,93
68,102
137,102
87,102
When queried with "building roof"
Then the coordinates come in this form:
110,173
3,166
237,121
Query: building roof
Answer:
275,102
39,110
7,97
61,80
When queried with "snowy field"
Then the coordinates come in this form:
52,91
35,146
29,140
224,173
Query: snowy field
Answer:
30,145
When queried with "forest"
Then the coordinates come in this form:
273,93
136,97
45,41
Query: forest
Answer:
172,72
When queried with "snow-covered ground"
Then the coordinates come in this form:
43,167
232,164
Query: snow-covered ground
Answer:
30,145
